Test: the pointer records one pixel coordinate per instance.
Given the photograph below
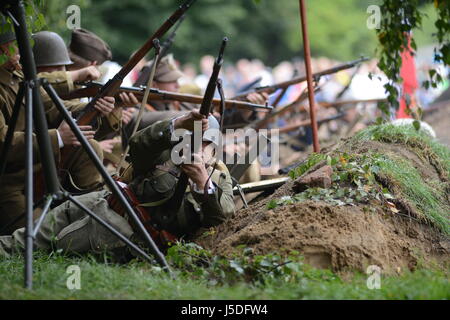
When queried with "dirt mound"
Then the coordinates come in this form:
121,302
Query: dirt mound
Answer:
342,238
339,238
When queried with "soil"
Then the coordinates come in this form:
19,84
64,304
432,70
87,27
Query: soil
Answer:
341,238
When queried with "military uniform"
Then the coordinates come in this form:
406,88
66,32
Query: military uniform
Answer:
62,82
12,199
153,179
166,72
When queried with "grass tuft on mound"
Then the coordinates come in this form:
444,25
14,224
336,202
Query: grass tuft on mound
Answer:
384,178
422,144
428,200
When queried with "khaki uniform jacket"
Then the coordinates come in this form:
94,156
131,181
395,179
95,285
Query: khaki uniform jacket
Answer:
68,228
62,82
12,198
9,87
155,178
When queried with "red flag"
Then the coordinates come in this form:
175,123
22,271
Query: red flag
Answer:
408,74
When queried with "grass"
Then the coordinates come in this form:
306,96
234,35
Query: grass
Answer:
200,275
426,198
429,200
421,143
138,280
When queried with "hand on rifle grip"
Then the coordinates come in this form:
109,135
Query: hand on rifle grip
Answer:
69,138
258,98
127,114
187,121
128,99
196,170
105,105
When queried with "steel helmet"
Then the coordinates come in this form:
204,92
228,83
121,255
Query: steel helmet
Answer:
50,50
213,133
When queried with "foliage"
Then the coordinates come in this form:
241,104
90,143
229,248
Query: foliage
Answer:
422,144
310,162
191,259
139,280
386,180
353,181
34,21
428,200
400,18
276,24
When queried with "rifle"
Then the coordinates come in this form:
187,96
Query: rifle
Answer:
205,110
342,106
263,185
261,123
89,114
316,76
287,169
249,85
145,72
307,122
92,88
283,92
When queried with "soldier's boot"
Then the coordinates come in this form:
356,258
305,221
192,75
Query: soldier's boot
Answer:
68,228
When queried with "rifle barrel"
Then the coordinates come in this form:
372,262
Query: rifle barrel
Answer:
316,76
145,72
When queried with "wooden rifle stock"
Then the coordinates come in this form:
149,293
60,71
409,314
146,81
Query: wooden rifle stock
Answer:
92,89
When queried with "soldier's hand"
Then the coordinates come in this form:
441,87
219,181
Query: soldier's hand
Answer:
107,145
128,99
196,171
85,74
187,121
127,114
105,105
258,98
69,138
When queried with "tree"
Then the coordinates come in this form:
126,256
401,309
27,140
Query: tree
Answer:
269,31
399,19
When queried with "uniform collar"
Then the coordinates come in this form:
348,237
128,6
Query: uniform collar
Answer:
9,78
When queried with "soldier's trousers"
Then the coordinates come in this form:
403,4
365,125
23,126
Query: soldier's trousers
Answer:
68,228
12,197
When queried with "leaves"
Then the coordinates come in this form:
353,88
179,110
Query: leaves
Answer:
353,181
399,19
192,260
312,160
